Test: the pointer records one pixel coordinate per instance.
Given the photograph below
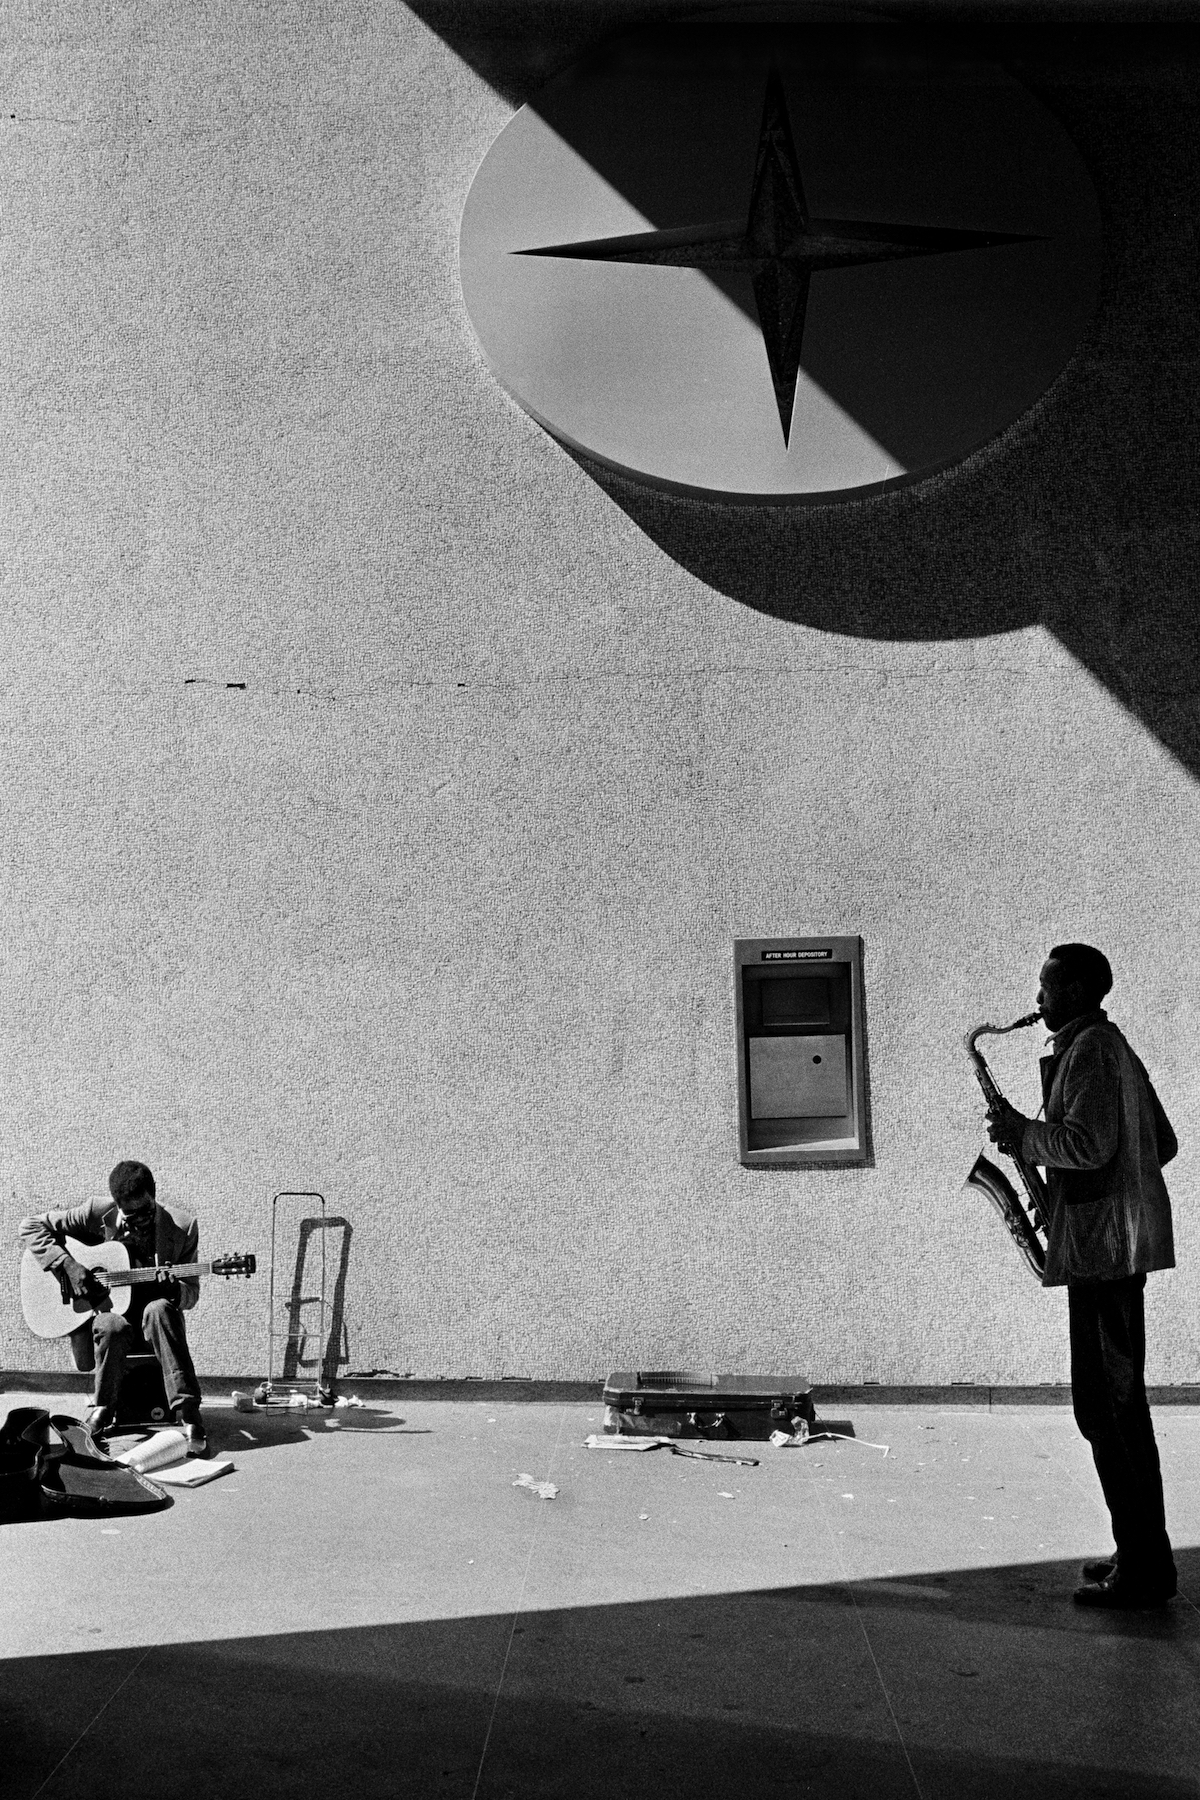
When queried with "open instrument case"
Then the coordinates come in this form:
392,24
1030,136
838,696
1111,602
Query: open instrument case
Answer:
692,1403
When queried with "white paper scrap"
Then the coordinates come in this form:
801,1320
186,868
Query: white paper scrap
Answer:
545,1490
844,1438
604,1440
157,1452
195,1472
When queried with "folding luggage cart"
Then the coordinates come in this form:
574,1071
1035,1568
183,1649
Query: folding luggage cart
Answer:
290,1338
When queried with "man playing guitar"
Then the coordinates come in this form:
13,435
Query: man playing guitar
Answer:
152,1234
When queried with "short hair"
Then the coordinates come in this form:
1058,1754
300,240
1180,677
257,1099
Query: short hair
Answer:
129,1180
1086,965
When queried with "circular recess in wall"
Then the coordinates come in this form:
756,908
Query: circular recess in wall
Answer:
780,263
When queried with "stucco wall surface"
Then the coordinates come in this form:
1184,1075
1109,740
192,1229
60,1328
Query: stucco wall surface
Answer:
433,910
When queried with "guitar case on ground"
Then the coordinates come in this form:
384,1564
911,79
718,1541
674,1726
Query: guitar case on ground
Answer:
695,1403
51,1465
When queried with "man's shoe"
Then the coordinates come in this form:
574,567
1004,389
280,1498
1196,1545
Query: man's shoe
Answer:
1099,1571
1121,1593
100,1420
187,1420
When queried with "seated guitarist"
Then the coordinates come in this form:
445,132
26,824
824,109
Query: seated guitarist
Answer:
151,1234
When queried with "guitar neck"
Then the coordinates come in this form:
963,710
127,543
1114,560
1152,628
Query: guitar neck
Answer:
171,1271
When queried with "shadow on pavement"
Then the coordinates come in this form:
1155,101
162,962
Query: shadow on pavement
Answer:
995,1686
233,1431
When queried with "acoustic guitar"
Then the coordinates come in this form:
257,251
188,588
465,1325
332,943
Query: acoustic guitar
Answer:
48,1315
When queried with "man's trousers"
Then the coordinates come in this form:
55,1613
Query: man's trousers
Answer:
161,1329
1108,1389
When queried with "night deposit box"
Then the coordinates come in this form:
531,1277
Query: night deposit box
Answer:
800,1050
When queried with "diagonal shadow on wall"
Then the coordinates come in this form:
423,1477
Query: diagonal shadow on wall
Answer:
1084,516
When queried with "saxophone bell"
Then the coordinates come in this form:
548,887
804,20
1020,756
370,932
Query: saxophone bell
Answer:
993,1182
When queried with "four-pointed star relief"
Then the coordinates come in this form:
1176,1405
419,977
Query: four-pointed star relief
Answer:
780,246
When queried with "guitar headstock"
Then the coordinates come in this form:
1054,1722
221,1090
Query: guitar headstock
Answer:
234,1265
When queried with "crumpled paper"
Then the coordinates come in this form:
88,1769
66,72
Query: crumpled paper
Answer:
545,1490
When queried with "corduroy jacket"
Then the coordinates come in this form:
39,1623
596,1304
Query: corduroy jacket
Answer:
176,1236
1103,1143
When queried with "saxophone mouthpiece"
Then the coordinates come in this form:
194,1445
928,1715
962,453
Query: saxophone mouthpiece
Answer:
998,1030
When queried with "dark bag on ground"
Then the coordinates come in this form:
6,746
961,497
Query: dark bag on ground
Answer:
50,1465
691,1403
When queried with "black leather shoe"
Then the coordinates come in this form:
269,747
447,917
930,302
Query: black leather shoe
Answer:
1099,1571
187,1420
1121,1593
100,1420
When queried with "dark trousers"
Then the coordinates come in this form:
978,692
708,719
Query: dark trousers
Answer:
160,1328
1108,1389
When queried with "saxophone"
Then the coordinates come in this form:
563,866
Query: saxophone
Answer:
992,1181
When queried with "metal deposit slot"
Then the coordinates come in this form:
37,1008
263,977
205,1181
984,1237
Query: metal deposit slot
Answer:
798,1077
791,1001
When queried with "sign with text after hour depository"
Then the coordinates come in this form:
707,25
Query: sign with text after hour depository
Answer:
779,262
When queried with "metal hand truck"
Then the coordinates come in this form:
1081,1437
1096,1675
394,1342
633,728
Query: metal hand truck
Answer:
291,1341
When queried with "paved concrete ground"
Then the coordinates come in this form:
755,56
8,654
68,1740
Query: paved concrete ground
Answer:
378,1610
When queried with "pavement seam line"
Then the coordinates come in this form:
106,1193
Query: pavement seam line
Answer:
512,1630
148,1651
71,1748
865,1634
1099,1506
1086,1493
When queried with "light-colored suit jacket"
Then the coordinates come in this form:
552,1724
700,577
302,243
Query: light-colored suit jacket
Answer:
1103,1142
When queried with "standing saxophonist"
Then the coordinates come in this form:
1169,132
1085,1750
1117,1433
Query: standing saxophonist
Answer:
1103,1142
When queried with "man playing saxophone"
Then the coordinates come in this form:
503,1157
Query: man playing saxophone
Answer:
1102,1144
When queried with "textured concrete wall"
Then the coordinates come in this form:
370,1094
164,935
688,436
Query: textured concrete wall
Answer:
433,911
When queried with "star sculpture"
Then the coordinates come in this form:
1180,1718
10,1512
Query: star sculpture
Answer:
780,246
